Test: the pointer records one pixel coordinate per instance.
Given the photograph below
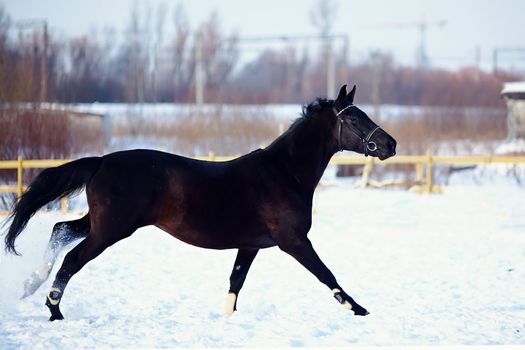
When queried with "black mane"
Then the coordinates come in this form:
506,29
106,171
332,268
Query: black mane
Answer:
316,106
308,112
313,109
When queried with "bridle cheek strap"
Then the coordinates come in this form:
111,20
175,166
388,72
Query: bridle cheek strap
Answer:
339,145
341,122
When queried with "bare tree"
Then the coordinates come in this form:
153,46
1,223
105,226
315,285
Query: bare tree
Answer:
160,20
323,15
274,77
182,56
133,58
219,55
82,80
5,23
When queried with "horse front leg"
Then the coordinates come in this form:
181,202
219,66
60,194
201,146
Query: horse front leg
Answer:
242,264
303,251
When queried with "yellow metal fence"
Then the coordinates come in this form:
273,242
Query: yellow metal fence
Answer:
423,165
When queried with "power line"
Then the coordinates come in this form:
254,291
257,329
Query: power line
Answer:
497,52
327,40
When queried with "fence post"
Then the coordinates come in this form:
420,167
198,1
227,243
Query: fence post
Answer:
429,171
20,177
419,174
366,172
64,205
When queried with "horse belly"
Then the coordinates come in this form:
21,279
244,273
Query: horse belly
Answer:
215,212
216,234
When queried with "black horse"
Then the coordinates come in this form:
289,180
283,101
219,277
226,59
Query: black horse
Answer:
260,200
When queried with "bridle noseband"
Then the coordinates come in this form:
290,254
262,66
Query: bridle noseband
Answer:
369,146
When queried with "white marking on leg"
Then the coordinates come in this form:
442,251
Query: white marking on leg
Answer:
229,305
345,304
51,300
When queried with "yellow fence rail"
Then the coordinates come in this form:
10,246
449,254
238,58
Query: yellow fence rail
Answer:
423,167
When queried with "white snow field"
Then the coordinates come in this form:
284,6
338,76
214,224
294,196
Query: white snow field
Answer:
445,269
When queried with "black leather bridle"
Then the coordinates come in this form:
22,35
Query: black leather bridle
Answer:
369,145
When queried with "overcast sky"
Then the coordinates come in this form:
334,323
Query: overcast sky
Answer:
370,24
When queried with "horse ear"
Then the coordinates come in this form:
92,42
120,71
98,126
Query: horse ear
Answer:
340,98
350,96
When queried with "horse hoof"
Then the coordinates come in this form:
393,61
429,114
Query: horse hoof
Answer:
361,312
56,317
52,302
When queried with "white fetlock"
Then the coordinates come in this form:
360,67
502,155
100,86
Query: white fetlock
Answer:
51,300
345,304
229,305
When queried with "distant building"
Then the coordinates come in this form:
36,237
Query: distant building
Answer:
514,95
91,131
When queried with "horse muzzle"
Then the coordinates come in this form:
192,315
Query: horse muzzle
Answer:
387,149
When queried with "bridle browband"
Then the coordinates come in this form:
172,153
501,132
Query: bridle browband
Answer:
369,145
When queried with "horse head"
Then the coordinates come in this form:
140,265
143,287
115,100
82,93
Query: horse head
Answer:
357,132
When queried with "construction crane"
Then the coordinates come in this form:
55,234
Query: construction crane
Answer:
422,26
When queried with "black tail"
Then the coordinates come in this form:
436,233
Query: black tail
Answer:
49,185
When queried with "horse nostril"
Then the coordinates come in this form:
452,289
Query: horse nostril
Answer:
391,147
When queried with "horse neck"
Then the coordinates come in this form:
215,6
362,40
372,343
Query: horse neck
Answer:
306,151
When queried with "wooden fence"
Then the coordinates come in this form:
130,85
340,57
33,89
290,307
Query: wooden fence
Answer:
423,165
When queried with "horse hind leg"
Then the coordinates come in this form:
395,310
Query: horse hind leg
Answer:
63,234
84,252
105,231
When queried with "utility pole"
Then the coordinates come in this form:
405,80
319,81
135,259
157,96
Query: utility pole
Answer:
199,76
495,61
43,66
330,69
422,57
477,59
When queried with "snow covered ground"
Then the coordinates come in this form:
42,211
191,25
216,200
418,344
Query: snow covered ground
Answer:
443,269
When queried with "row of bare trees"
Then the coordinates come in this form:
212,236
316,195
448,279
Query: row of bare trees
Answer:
160,54
145,66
